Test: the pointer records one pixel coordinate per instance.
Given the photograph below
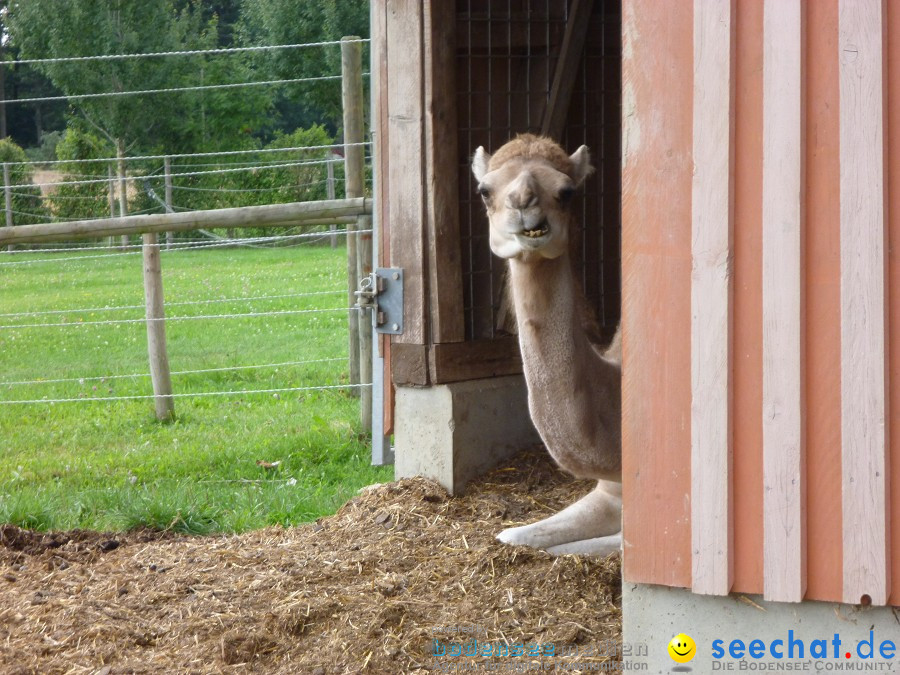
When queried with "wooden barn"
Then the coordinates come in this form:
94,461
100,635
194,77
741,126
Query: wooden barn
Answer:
739,225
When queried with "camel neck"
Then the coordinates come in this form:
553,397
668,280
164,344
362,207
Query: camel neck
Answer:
546,310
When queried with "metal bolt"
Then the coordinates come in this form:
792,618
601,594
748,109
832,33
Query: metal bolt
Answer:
395,326
396,276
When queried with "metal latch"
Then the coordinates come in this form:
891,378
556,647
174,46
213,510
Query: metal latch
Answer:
382,291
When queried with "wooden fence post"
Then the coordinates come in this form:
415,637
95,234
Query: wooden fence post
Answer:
123,194
112,199
352,98
167,168
364,269
329,194
156,329
7,196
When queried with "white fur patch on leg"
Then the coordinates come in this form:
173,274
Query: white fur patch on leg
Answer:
599,546
596,515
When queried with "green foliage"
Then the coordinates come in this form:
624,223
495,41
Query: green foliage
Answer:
27,204
187,120
260,185
278,22
45,150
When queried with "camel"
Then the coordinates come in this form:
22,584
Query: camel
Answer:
574,386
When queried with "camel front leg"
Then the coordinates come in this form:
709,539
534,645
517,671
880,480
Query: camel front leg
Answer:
590,526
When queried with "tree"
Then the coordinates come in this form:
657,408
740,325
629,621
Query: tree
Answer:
192,120
276,22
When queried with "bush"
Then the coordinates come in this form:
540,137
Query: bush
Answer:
27,204
70,202
45,151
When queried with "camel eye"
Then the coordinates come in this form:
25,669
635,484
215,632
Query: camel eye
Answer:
484,191
565,195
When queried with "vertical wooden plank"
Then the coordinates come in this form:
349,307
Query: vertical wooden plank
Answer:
657,81
784,503
445,268
379,59
747,482
712,539
893,124
823,307
406,175
864,423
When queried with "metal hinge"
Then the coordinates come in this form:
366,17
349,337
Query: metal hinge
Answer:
382,291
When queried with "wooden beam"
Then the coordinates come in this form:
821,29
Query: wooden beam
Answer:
784,455
445,288
822,306
379,70
156,329
747,470
557,110
656,275
270,215
406,167
475,359
864,329
712,537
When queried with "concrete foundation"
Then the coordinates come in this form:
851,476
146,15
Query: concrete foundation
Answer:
454,432
827,632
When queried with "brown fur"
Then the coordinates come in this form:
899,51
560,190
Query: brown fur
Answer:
529,146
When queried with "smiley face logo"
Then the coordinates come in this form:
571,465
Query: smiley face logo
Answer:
682,648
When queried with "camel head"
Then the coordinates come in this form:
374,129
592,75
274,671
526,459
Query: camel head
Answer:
527,188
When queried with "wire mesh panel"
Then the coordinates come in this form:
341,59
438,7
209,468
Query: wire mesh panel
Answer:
507,53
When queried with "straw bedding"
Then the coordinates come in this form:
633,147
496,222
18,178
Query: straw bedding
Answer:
369,589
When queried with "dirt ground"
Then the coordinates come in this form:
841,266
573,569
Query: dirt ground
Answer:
400,572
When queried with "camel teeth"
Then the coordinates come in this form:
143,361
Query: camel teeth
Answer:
533,234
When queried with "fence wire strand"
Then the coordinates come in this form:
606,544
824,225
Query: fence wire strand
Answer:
103,378
74,324
253,298
194,247
325,387
184,52
218,153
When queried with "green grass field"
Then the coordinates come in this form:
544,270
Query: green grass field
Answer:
110,464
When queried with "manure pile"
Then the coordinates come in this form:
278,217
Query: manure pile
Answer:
401,571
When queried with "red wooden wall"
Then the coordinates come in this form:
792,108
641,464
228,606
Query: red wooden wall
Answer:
761,369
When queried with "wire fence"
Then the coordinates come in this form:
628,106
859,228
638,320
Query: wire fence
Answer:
27,326
103,187
87,189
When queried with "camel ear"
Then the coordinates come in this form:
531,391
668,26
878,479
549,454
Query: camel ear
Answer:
480,163
581,165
